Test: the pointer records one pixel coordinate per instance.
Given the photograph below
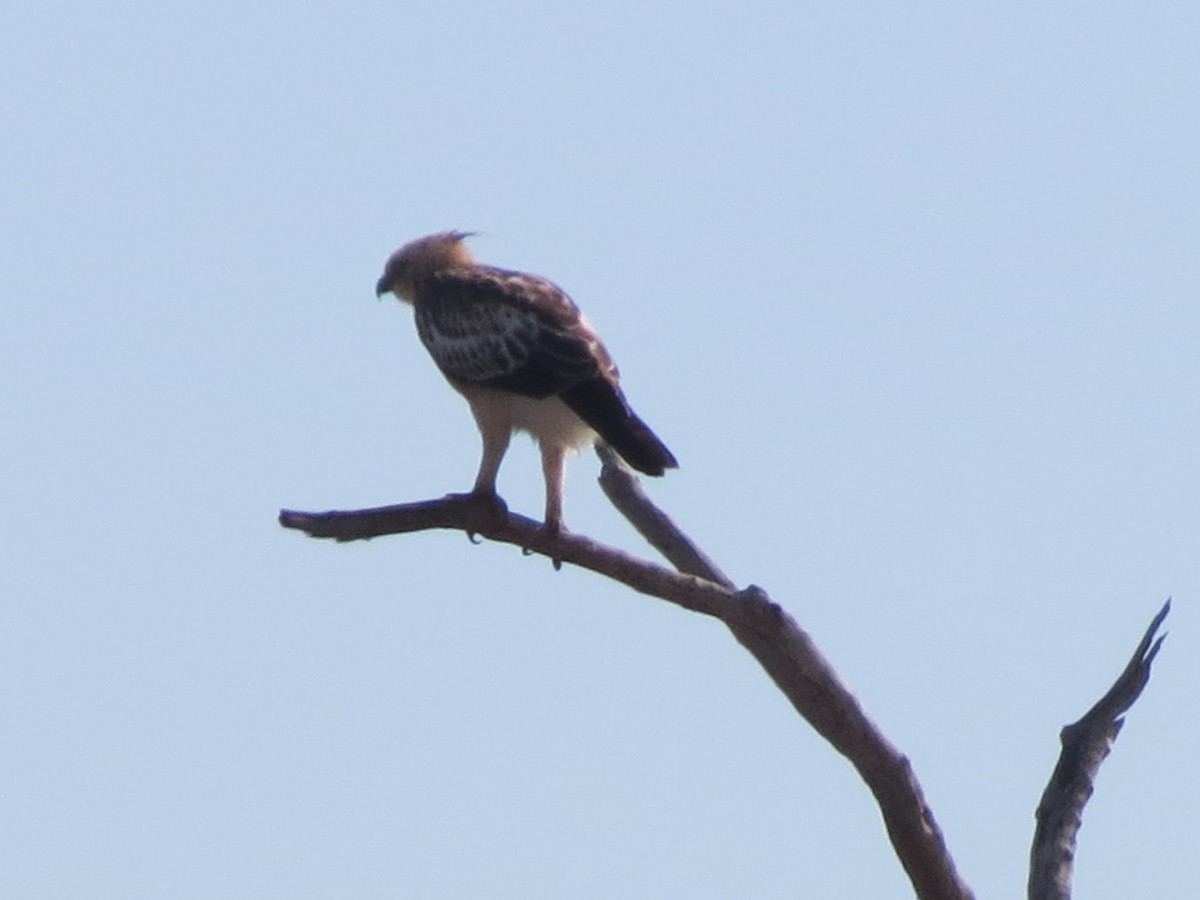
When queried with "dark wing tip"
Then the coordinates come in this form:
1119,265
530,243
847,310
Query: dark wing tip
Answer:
600,403
653,458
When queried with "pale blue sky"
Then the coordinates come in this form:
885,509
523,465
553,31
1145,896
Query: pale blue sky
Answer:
910,290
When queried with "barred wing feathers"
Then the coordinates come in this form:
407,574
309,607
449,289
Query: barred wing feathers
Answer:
515,332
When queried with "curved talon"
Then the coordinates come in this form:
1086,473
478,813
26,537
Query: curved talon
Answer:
474,538
525,551
553,529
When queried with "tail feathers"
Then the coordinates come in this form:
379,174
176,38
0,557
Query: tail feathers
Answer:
601,404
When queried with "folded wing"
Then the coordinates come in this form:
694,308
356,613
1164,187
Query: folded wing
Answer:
515,332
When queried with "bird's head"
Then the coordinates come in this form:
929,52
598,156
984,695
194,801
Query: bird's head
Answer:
419,259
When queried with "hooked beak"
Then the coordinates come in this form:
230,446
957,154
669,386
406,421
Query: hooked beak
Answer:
382,286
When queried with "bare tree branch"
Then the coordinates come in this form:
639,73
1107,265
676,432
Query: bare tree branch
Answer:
625,492
454,512
807,679
783,649
1085,745
794,663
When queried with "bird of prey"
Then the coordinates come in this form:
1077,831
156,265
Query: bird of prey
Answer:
524,357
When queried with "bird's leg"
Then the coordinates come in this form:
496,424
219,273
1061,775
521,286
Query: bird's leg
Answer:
553,468
487,510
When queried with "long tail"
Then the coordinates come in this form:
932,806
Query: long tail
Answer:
601,404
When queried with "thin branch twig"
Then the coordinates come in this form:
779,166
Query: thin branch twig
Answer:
1085,745
625,492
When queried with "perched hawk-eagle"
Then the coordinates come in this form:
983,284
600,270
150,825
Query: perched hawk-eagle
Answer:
524,356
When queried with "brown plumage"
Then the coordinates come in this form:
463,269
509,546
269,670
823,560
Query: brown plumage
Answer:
518,348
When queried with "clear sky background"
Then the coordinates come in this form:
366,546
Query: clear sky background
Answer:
910,290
